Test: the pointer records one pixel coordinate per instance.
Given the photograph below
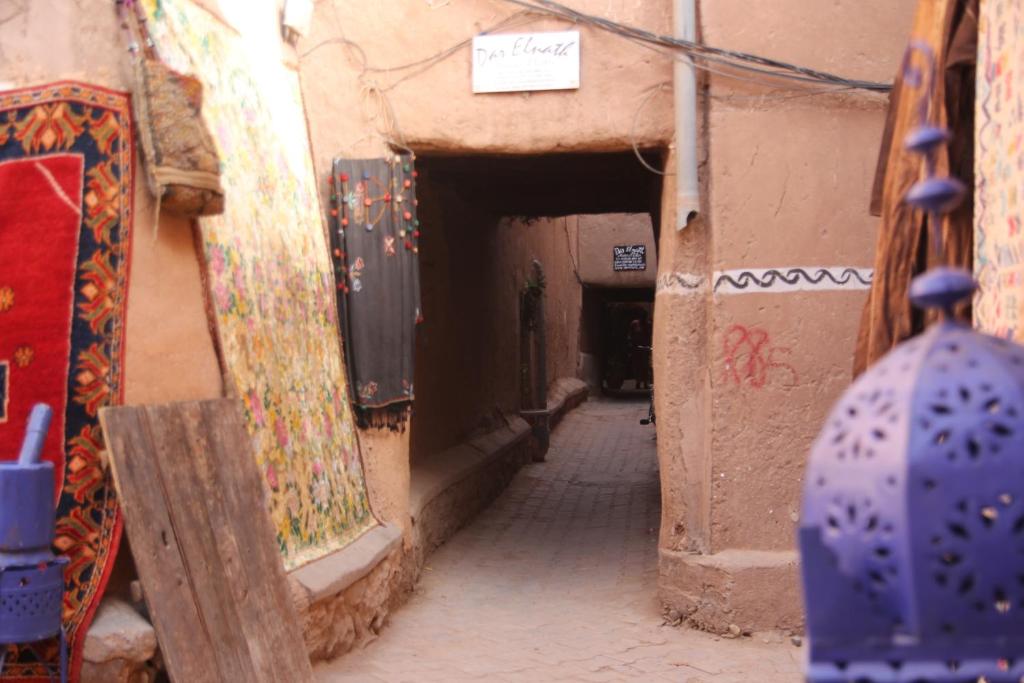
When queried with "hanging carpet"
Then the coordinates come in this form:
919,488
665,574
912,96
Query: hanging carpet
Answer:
374,241
269,276
65,229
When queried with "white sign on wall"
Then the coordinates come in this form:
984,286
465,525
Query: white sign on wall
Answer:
517,62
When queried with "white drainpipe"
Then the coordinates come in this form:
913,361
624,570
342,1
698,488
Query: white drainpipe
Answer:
687,190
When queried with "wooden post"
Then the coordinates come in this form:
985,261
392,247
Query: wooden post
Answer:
540,355
533,362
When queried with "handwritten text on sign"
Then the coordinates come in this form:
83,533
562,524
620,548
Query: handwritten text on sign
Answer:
516,62
629,257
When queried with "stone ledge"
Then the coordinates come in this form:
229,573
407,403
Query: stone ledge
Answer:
755,590
334,573
565,394
734,560
447,469
444,471
120,642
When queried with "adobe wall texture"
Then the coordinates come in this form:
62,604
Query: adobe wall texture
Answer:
785,185
554,242
435,109
800,200
600,233
454,344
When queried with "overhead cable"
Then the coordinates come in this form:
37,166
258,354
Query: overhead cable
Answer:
764,66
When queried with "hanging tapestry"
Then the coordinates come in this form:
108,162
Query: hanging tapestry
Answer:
374,238
269,274
65,231
999,216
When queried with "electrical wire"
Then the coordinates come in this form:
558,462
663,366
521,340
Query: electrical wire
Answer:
654,90
376,105
508,22
665,45
764,66
732,58
444,54
732,64
805,90
568,246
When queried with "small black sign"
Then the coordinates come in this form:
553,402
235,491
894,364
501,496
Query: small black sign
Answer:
629,257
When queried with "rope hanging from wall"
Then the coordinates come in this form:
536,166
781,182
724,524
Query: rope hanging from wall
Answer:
374,245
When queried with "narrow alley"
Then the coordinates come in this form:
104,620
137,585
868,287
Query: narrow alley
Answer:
556,581
328,329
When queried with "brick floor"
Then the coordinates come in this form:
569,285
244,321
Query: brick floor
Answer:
556,582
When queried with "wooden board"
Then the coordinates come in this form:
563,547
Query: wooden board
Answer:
201,537
888,317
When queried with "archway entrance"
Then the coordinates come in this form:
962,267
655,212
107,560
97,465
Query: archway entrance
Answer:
485,220
590,220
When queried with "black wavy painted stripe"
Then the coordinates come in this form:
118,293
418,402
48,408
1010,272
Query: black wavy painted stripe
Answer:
791,276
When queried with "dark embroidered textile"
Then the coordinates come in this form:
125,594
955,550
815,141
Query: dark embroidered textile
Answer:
374,237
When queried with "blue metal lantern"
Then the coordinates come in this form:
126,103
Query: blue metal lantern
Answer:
31,578
913,524
912,533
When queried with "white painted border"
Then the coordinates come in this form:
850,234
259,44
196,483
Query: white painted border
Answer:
779,280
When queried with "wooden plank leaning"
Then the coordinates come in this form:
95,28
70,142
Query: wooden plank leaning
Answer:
195,513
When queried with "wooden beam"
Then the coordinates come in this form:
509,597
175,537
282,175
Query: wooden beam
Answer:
195,513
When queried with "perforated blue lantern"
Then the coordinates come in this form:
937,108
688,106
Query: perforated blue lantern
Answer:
913,523
31,577
912,533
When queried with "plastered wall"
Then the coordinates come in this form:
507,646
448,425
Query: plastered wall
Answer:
600,233
434,109
789,183
790,186
753,362
461,385
553,241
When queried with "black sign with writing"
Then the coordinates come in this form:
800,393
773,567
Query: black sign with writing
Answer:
629,257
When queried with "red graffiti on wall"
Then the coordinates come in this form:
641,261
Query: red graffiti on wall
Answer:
751,359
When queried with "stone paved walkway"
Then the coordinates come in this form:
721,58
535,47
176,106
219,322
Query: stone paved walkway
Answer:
556,582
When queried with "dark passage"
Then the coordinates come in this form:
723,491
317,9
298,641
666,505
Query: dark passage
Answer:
484,219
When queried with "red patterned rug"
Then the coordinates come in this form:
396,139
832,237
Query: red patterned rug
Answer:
66,163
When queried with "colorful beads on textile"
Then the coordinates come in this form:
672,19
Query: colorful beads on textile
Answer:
370,200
